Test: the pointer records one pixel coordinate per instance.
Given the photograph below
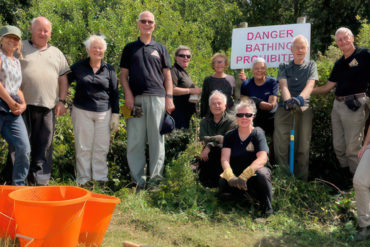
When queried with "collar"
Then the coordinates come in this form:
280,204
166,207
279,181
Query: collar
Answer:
179,67
102,64
151,43
31,43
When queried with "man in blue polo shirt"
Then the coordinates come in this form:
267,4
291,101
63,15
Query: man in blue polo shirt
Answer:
146,81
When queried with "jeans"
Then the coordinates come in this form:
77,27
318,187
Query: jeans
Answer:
14,132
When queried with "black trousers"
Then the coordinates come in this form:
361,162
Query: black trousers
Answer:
209,171
40,123
259,188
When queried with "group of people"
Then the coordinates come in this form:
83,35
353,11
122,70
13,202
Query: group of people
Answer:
35,76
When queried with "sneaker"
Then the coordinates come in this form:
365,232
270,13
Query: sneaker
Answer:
363,234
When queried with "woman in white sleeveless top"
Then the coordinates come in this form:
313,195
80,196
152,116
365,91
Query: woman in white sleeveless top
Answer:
12,104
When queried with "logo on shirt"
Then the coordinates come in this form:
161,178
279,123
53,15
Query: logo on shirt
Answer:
155,54
353,63
250,147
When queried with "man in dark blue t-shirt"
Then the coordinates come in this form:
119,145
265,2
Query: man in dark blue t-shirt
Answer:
146,81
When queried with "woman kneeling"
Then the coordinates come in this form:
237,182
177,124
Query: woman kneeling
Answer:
243,159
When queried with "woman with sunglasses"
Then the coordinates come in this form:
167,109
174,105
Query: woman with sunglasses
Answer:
263,90
243,159
12,103
218,81
212,131
183,88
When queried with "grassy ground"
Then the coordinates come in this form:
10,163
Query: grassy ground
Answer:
136,220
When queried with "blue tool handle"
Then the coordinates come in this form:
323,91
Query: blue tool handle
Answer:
291,158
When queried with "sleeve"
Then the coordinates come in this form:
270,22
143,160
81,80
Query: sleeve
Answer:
243,88
166,61
260,143
313,72
282,72
334,73
174,76
203,129
64,67
71,75
113,97
228,140
125,61
275,87
204,99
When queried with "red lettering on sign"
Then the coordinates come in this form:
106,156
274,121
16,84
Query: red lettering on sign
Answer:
238,59
289,33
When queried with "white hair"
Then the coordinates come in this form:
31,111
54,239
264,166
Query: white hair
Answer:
94,37
344,30
246,103
300,37
259,60
217,93
145,12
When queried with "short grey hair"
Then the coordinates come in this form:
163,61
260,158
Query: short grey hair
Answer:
34,20
300,37
246,103
259,60
344,30
182,48
145,12
94,37
217,93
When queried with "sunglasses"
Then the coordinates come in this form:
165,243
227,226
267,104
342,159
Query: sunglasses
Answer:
184,56
247,115
146,22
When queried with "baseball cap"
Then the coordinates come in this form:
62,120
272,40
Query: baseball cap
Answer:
8,29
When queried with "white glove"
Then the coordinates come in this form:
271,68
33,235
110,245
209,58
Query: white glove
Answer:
114,122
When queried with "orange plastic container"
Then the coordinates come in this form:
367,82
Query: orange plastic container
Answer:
49,215
98,212
7,222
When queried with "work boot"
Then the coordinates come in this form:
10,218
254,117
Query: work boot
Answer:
363,234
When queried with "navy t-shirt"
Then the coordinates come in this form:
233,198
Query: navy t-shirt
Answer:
145,64
352,74
243,153
250,89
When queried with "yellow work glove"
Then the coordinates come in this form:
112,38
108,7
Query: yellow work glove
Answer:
228,174
247,174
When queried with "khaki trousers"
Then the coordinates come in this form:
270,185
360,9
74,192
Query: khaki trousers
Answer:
146,130
361,184
92,137
348,132
303,129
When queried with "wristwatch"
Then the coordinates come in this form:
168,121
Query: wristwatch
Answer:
169,96
63,101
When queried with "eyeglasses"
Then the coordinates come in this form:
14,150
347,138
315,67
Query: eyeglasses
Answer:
247,115
146,22
219,61
184,56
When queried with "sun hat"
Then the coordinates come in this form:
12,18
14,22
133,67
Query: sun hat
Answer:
8,29
167,125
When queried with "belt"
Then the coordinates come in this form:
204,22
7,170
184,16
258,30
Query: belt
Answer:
344,98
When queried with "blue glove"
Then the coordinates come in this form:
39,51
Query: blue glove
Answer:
298,100
288,105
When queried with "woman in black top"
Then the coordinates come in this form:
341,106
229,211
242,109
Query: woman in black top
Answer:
218,81
95,111
183,88
243,159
